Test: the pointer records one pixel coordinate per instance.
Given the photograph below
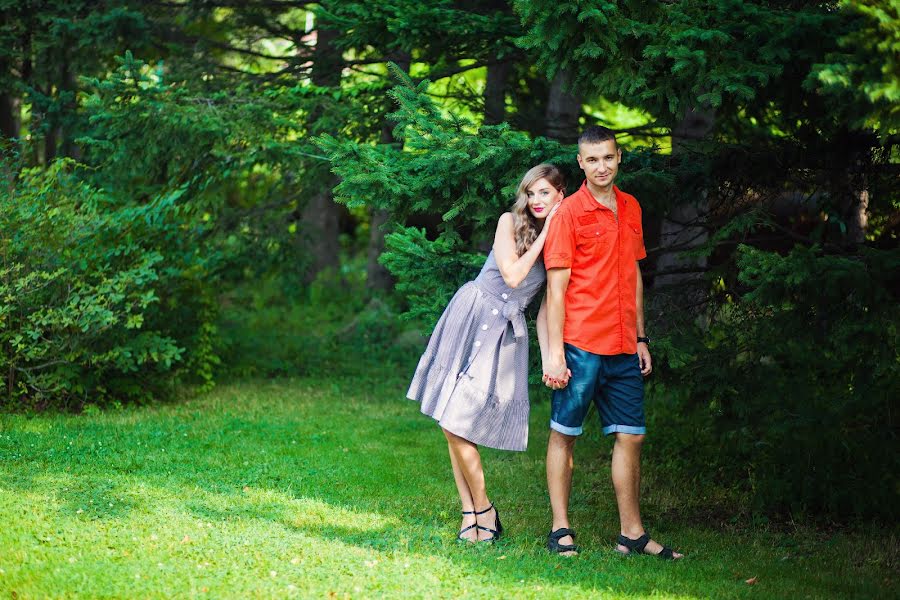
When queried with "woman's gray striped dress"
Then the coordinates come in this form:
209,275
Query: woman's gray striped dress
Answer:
473,377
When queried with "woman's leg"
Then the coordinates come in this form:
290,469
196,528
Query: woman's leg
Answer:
465,495
465,456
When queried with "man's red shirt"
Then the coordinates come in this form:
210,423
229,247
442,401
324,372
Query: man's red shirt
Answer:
601,250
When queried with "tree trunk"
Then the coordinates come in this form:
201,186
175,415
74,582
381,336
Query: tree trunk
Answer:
563,110
859,217
495,93
68,85
52,131
10,105
682,226
320,217
377,277
10,111
856,207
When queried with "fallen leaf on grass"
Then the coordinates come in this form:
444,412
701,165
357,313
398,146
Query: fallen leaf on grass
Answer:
501,557
295,561
186,539
751,581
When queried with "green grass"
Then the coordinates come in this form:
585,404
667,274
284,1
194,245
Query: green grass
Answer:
318,488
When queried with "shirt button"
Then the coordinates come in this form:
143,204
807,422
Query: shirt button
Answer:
494,312
504,296
477,344
484,327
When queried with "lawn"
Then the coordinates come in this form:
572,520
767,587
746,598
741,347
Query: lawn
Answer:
317,488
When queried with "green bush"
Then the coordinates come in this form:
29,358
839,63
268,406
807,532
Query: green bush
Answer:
99,300
789,397
331,329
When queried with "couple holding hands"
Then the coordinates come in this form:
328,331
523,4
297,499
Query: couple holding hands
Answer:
473,376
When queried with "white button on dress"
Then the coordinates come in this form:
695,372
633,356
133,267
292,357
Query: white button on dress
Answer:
477,344
495,311
504,296
484,327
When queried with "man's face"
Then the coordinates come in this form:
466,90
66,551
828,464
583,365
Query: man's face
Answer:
600,162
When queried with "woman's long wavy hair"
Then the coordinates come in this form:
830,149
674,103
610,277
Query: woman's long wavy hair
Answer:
524,224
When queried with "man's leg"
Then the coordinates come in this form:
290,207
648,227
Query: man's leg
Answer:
621,404
559,480
626,476
568,408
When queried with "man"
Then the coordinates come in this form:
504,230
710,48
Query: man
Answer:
595,318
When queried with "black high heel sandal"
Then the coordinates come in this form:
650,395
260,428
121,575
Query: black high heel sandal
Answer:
459,537
498,526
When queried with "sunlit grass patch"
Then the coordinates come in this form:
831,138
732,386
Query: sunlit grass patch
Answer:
339,487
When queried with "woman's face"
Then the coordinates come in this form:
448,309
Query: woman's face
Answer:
542,196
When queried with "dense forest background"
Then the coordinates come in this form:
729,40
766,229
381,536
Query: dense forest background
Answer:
195,190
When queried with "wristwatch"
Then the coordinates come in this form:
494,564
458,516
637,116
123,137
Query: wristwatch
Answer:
646,340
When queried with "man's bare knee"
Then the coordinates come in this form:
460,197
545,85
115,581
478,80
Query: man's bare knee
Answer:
630,439
561,439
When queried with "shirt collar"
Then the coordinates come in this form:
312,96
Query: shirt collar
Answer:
588,202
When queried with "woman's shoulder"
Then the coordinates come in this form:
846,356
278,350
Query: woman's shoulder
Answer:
506,222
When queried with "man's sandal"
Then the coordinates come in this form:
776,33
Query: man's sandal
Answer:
637,547
498,526
459,537
553,544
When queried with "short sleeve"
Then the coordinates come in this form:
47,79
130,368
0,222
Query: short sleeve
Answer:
559,248
640,252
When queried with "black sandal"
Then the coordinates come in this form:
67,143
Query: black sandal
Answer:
637,546
498,526
553,538
459,537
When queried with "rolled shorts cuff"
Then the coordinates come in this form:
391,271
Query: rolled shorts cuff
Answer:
609,430
565,430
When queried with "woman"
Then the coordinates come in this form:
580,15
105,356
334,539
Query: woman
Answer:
473,377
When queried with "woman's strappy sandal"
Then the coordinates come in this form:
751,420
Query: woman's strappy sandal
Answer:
459,537
637,547
498,526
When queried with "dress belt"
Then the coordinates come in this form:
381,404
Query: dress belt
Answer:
511,311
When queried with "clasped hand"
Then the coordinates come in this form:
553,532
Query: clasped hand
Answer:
556,377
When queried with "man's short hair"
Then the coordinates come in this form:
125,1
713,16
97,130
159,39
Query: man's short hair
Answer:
596,134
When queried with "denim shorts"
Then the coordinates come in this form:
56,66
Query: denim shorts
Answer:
613,382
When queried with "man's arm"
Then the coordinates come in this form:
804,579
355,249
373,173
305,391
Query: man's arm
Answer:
643,351
541,326
557,283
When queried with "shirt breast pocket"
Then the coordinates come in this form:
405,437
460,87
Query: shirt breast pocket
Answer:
636,238
593,239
